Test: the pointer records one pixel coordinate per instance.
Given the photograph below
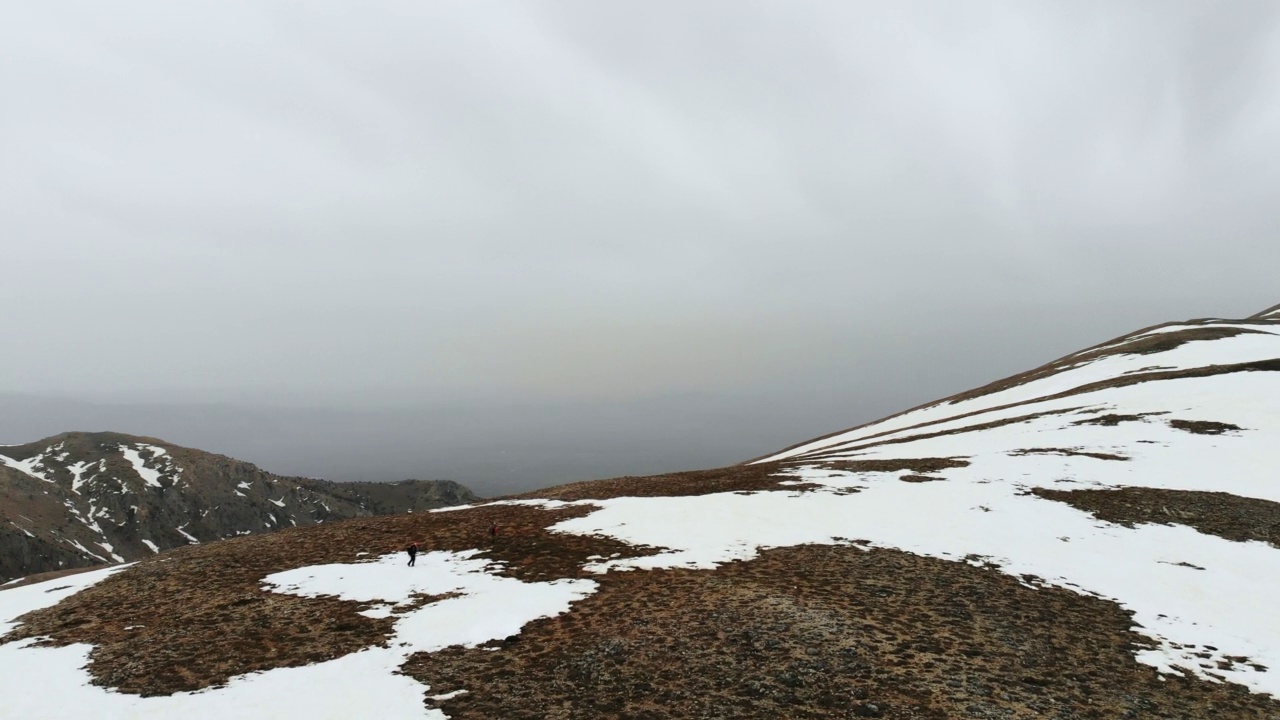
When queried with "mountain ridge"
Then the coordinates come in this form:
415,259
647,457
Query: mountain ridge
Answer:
83,498
1264,317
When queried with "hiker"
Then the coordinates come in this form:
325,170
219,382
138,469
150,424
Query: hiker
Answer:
413,552
493,530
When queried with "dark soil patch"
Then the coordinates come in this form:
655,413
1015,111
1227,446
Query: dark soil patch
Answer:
825,632
1203,427
738,478
914,465
956,431
1069,452
1215,513
1164,342
1113,419
920,478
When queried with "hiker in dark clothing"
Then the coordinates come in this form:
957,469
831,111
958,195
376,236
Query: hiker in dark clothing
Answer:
493,530
413,553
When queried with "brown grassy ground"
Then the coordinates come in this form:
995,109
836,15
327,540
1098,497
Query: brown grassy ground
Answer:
202,609
1114,419
738,478
825,632
1203,427
1215,513
1070,452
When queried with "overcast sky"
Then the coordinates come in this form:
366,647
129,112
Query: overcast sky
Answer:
836,209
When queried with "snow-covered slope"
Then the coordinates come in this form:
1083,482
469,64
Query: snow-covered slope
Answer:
1094,379
1099,537
1184,407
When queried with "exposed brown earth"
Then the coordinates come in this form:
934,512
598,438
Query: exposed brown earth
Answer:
739,478
978,427
1203,427
736,478
825,632
915,465
1113,419
203,607
1069,452
1228,516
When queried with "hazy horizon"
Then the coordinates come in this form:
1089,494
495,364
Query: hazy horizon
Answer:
498,446
517,243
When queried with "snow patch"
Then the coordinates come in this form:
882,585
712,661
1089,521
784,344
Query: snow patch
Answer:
149,476
16,602
488,606
77,470
32,466
84,550
110,551
28,532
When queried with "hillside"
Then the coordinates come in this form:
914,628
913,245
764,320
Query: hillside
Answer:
81,499
1095,538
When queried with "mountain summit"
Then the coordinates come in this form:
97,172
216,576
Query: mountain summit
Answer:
80,499
1094,538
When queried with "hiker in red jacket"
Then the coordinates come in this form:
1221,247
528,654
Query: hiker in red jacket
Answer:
493,530
413,552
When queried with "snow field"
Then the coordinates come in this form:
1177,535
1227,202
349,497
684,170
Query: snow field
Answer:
16,602
1160,456
1225,601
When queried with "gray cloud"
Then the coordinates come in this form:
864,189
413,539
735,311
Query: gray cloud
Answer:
422,203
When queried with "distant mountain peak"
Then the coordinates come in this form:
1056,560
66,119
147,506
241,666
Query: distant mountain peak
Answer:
82,498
